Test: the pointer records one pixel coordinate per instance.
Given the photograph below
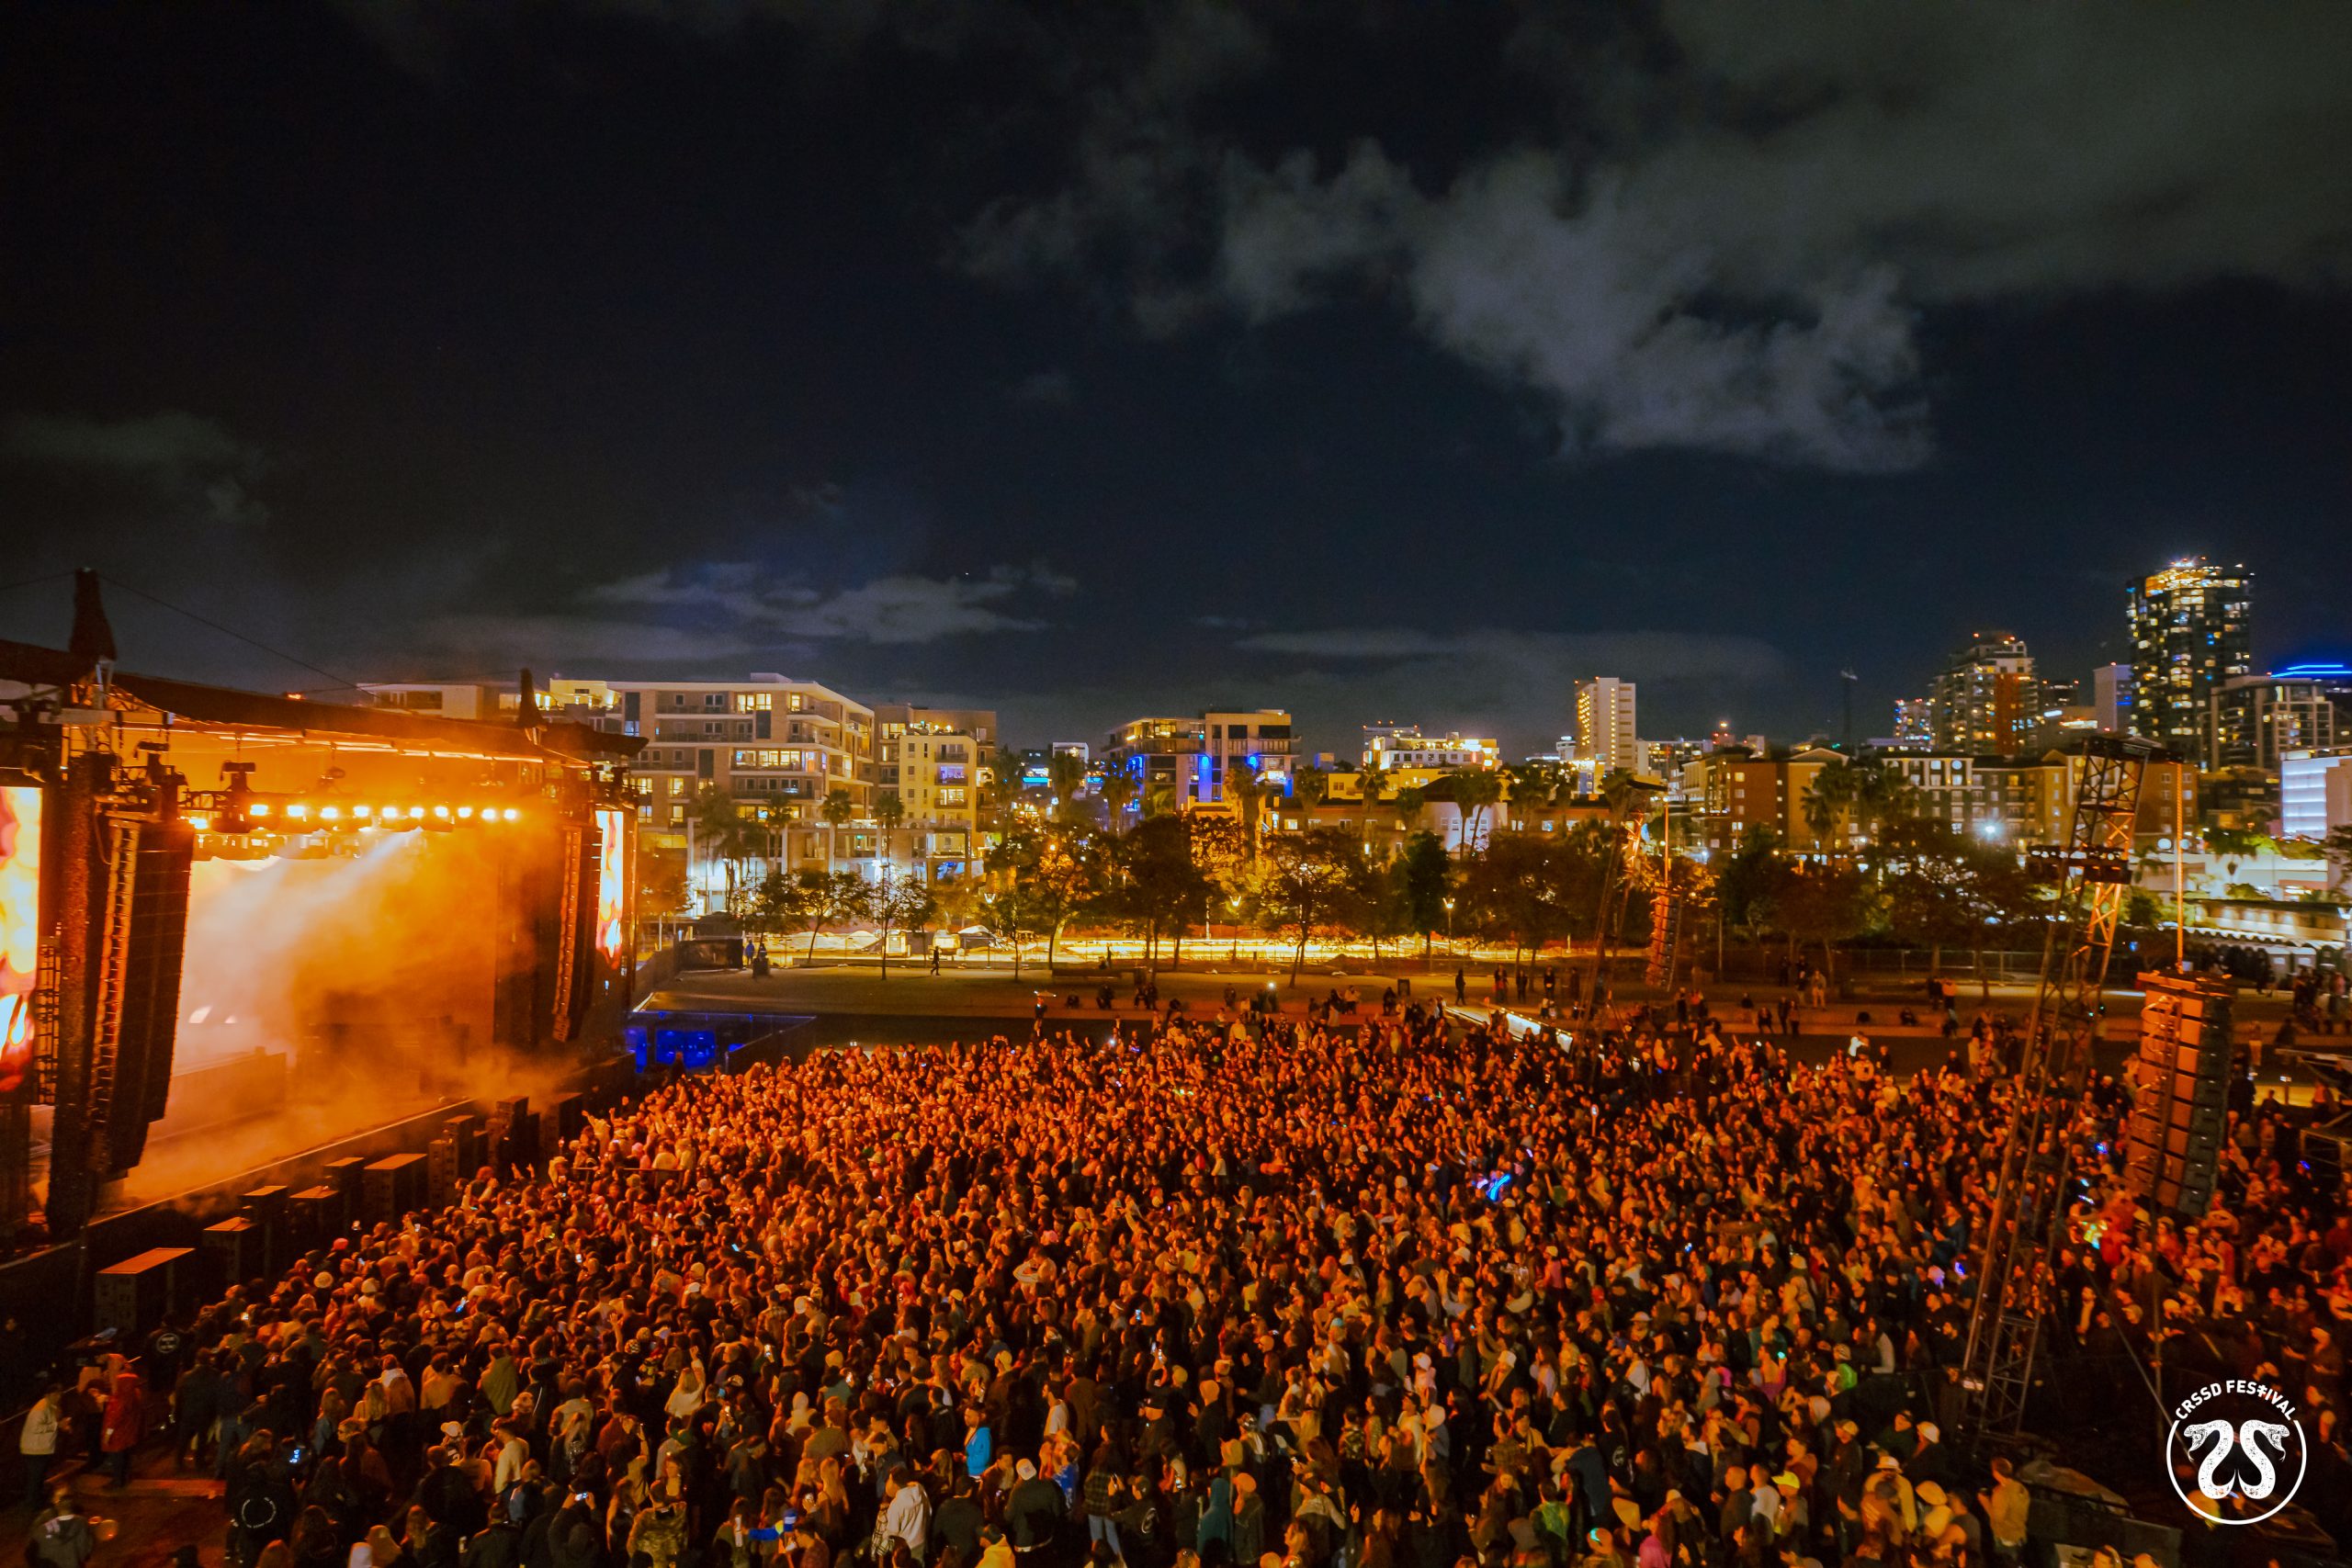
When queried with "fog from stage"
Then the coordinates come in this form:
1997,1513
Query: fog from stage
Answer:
321,997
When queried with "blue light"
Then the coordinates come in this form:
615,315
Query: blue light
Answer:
2314,672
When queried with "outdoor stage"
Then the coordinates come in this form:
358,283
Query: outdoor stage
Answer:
236,929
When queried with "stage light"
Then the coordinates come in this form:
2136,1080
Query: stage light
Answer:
258,808
363,811
465,811
202,824
512,814
297,811
416,813
331,813
442,812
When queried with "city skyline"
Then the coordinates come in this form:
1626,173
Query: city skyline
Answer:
1100,367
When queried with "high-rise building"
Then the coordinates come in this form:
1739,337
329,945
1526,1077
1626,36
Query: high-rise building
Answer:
2189,634
1605,724
2111,698
1986,701
1915,723
2253,720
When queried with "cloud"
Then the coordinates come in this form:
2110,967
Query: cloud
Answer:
1045,387
189,463
1556,659
895,609
1725,237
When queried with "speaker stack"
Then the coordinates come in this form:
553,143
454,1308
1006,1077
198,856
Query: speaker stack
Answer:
2180,1082
392,1187
442,1175
466,1134
314,1216
136,1294
236,1247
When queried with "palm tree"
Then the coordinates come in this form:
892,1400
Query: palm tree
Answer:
1475,791
1309,786
890,814
837,809
1832,795
1066,776
1119,792
1373,781
1408,804
726,835
1241,788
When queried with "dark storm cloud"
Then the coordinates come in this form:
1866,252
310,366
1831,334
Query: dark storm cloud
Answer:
895,609
177,464
1725,241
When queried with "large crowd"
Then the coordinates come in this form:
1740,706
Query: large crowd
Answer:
1230,1291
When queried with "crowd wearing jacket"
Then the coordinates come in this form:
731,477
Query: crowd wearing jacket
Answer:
1277,1295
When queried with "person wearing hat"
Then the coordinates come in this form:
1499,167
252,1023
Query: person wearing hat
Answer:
995,1550
1033,1512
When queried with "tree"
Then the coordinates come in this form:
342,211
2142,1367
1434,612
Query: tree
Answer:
1928,900
1066,777
1475,791
1865,794
1160,884
1246,797
1428,874
836,810
1309,879
902,903
819,899
1159,800
1823,905
2338,844
726,835
1000,771
1119,792
1529,888
889,815
1749,879
1055,872
1309,786
661,881
1408,804
1372,781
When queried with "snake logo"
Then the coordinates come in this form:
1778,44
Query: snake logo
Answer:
2236,1455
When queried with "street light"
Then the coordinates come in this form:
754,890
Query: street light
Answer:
1449,922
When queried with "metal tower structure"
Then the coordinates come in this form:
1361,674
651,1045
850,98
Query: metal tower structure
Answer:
1629,805
2091,871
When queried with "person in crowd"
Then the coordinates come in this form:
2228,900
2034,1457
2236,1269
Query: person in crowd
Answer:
1393,1295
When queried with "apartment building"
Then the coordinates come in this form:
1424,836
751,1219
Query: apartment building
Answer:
1395,747
2254,720
1192,757
1986,698
776,747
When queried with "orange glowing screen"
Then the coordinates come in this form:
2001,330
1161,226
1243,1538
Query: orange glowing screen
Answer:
20,927
612,881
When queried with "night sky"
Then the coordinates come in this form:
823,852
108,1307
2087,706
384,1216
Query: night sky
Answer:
1380,360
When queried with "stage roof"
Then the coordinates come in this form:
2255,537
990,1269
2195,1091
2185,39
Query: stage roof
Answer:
222,707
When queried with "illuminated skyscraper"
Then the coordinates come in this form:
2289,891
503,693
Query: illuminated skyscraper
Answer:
1605,724
2189,633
